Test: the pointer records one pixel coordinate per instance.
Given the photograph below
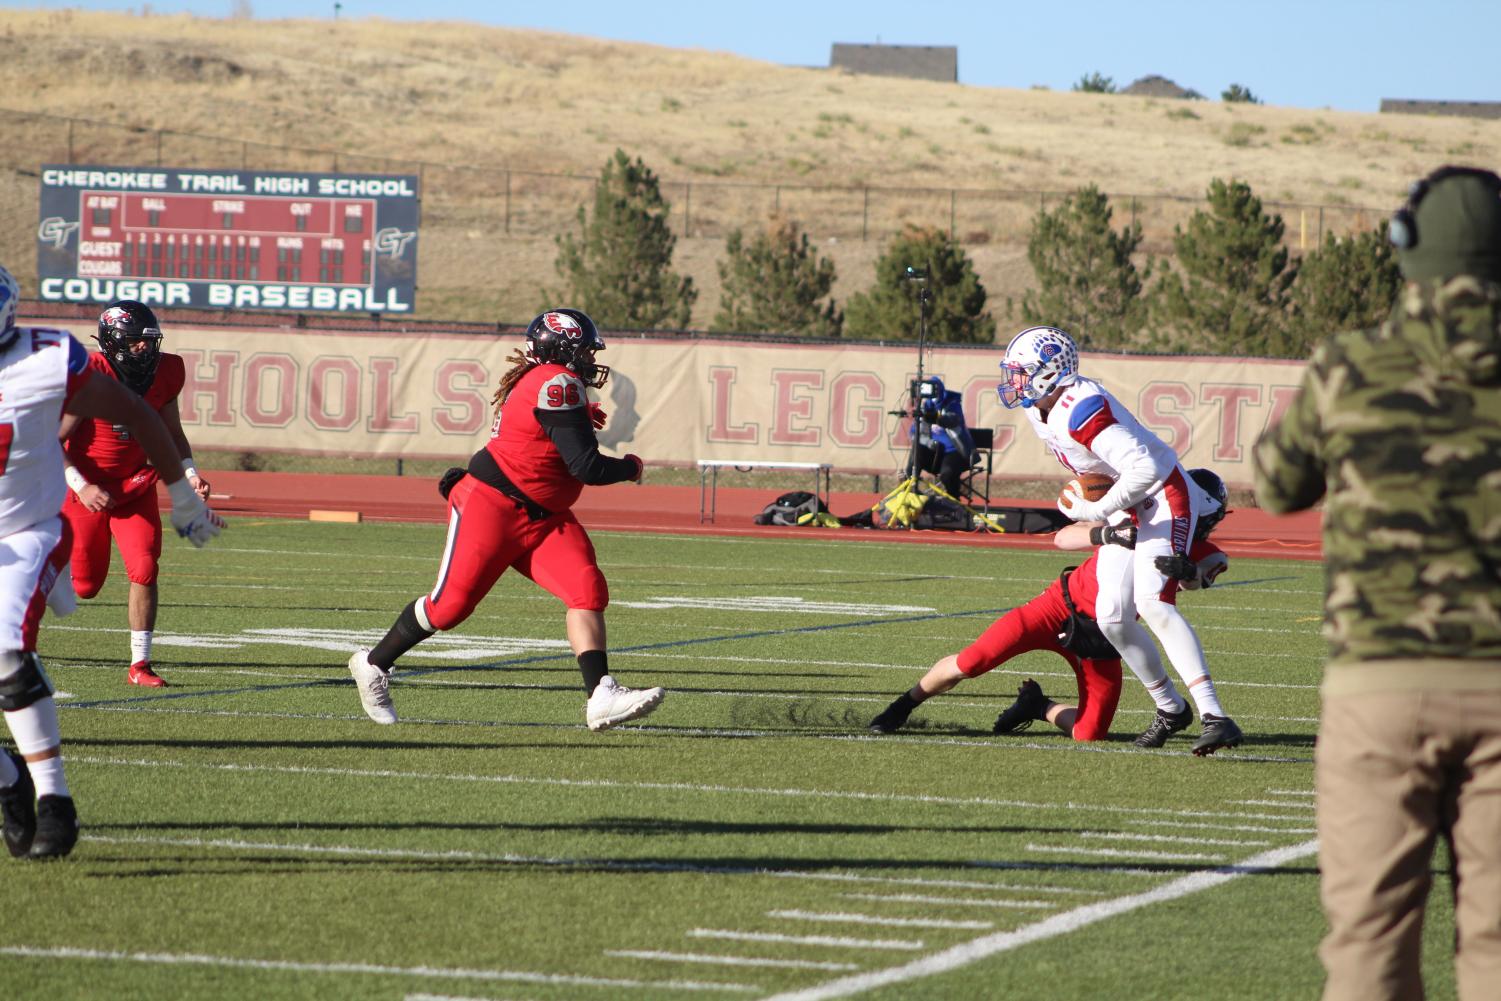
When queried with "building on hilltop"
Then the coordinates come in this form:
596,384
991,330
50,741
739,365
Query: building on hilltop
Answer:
1466,109
916,62
1160,86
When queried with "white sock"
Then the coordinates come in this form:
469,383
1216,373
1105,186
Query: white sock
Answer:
8,772
140,645
1140,654
35,727
47,776
1184,651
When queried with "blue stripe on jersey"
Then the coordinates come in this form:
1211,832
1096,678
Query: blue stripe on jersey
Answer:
1081,414
78,356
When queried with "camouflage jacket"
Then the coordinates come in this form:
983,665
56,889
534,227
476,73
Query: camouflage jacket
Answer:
1402,427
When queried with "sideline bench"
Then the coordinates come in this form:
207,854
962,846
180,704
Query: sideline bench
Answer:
708,479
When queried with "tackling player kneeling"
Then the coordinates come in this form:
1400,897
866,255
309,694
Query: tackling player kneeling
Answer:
512,508
112,485
45,374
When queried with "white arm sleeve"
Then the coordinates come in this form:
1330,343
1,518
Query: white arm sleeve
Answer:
1144,465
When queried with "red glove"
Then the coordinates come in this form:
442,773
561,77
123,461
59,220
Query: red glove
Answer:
640,466
597,416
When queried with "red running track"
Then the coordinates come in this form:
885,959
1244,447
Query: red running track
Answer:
643,508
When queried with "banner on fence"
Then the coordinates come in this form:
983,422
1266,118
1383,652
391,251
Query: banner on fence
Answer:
377,394
238,239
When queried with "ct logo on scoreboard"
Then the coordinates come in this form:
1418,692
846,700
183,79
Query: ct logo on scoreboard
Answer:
56,230
392,241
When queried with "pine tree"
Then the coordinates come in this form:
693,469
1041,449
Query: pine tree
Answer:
1094,83
889,310
1086,282
1347,284
618,270
1231,297
1236,94
773,284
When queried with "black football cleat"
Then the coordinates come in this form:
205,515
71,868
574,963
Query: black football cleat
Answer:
892,718
1219,731
18,809
1030,706
56,827
1164,725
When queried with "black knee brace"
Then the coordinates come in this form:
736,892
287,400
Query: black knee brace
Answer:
24,682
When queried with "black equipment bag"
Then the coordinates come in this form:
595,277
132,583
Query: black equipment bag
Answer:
1080,633
786,509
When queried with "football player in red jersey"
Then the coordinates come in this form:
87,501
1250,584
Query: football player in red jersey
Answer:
511,508
1043,624
113,485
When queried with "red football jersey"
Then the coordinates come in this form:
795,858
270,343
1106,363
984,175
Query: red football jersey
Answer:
520,445
1083,586
102,451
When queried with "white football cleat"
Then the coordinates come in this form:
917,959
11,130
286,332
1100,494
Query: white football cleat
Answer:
374,686
611,704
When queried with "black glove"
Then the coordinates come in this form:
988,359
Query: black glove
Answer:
1113,535
450,479
1177,566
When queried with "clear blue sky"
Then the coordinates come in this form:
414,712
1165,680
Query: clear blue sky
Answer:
1342,54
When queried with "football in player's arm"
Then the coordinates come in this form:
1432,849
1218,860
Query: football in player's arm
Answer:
112,482
44,374
512,507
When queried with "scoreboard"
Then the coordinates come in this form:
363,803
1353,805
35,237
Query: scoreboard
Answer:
228,239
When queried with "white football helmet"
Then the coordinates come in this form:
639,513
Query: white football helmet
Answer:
1038,360
10,299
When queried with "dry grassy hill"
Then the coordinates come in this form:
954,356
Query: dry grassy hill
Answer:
720,129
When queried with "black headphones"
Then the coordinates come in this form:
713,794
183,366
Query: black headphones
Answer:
1402,231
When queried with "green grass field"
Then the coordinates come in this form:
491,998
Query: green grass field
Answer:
249,834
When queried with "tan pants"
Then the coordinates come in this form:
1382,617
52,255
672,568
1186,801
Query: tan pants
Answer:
1394,771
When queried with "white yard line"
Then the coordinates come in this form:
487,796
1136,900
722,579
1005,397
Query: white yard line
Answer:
915,898
234,962
687,787
1282,803
1290,792
1051,927
707,959
1131,854
1233,827
1172,840
836,941
831,917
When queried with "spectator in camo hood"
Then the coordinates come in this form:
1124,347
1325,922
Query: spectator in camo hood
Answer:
1398,430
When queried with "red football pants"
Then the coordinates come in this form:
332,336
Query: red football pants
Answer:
489,533
1035,626
135,525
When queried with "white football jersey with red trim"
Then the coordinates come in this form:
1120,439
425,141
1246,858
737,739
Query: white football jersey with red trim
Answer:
1089,431
38,372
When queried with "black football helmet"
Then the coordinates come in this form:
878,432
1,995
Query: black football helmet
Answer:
122,326
1212,485
569,338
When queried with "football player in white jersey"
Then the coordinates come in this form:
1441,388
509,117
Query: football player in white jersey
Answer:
43,374
1089,431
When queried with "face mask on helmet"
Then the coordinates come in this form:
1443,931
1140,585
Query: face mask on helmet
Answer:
1038,360
10,299
131,342
569,338
1212,485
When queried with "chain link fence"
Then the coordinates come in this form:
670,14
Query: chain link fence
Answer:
460,198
